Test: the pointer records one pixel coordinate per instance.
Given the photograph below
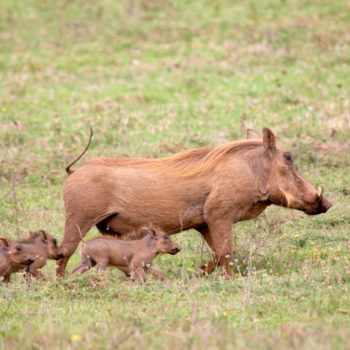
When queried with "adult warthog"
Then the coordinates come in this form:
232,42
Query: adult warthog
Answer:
207,189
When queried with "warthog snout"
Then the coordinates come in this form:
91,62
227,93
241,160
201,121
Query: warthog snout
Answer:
325,204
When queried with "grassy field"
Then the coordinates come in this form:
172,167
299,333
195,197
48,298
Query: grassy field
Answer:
153,78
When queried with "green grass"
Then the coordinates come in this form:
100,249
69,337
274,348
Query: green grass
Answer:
153,78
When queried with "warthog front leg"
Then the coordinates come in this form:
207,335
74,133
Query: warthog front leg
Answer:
218,236
70,242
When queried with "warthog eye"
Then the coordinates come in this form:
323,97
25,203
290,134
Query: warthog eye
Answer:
54,242
18,249
288,157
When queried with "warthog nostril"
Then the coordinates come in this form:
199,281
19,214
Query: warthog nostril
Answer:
176,250
324,204
328,205
59,256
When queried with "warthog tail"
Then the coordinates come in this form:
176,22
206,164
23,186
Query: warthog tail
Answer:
69,172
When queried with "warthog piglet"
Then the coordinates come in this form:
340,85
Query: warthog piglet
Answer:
40,245
133,257
13,257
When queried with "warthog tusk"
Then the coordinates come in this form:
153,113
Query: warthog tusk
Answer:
319,191
290,199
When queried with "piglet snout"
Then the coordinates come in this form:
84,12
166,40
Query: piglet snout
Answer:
175,250
59,256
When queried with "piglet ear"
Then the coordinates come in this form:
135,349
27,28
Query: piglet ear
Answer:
269,140
4,243
145,231
251,134
153,232
43,235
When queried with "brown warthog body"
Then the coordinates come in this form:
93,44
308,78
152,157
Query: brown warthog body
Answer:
13,257
207,189
133,257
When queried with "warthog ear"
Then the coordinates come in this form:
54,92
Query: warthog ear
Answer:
4,243
32,234
251,134
269,140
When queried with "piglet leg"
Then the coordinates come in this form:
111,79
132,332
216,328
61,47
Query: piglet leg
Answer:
86,264
35,267
140,274
157,274
126,270
7,277
101,266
